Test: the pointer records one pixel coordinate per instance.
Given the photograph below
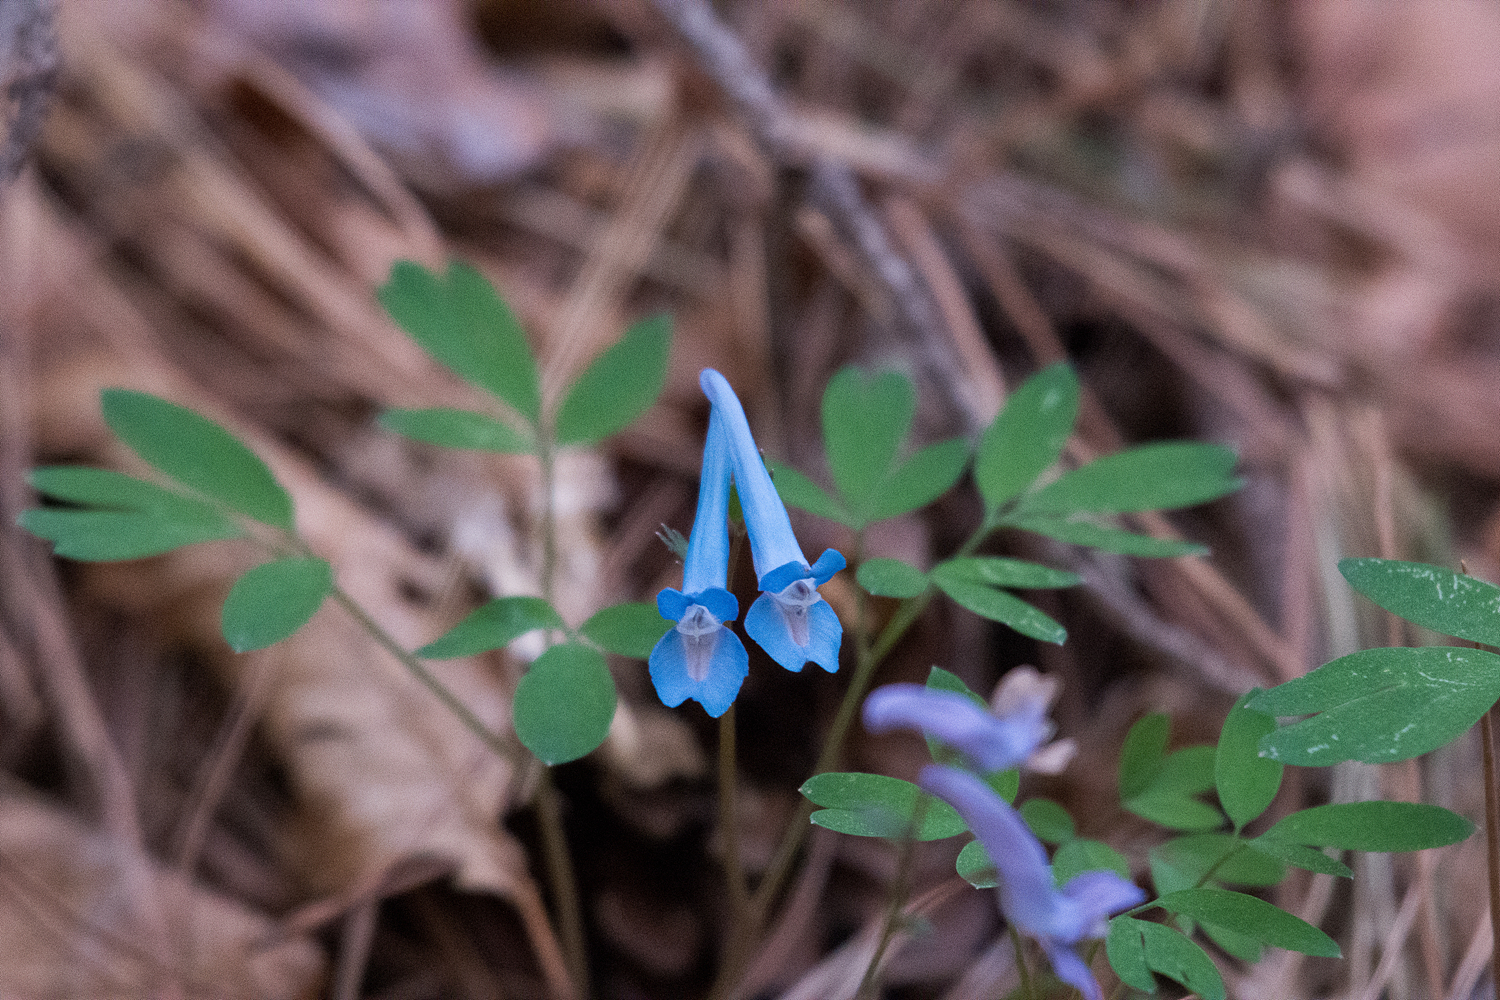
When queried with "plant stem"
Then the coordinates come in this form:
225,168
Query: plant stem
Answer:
1492,839
428,679
734,872
900,889
564,885
1028,988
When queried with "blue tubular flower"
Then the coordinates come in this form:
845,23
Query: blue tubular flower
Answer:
989,742
1057,918
701,658
790,620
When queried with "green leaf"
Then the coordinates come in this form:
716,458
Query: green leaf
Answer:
1241,946
1126,949
1246,781
874,805
458,429
993,571
1104,537
1048,820
1431,596
627,629
1380,705
1183,862
865,419
1175,812
1252,917
1299,856
198,453
920,480
891,578
1159,476
975,867
564,704
1027,436
111,490
1142,755
274,600
493,625
1167,952
796,490
111,535
1372,826
619,386
461,322
1081,855
999,606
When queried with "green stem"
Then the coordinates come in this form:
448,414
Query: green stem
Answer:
1028,988
1492,838
734,871
900,889
564,885
428,679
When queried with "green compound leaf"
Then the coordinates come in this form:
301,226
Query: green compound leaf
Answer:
923,478
140,518
493,625
1371,826
1380,705
891,578
198,453
1104,537
451,428
1141,756
1246,781
461,322
796,490
619,386
1168,800
999,606
1183,862
1084,855
274,600
975,867
564,704
1048,820
1252,917
874,805
111,535
1159,476
1431,596
1027,436
1164,950
1299,856
627,629
993,571
865,419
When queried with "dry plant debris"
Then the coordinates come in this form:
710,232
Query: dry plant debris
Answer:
1269,225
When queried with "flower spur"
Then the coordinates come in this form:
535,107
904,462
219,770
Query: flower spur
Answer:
789,620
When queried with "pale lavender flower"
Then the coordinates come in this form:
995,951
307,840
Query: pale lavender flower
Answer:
991,742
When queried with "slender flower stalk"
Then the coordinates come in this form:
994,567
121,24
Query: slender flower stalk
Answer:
702,658
790,620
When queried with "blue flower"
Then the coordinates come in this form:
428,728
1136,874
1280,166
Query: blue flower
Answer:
790,620
1056,918
989,742
702,658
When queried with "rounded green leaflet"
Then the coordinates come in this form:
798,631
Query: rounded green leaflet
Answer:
451,428
631,629
1028,434
274,600
1246,781
1159,476
495,624
875,805
1048,820
1252,917
460,321
920,480
865,419
113,535
1434,597
890,578
619,386
1081,855
1136,948
564,704
197,453
998,605
975,867
1372,826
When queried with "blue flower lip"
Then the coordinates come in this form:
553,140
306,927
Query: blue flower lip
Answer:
829,563
720,603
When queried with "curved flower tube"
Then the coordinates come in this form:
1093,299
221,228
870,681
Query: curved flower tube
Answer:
702,658
790,620
1056,918
989,742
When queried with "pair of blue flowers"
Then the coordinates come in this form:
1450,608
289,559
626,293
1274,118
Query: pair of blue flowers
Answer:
701,658
1057,918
